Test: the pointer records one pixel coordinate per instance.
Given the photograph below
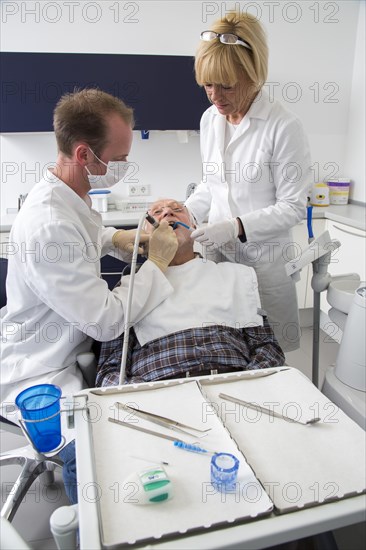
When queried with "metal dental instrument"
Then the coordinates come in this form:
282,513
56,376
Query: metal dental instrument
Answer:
144,430
162,420
270,412
146,459
177,442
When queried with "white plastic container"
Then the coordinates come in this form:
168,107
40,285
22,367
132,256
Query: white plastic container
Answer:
99,198
320,195
339,190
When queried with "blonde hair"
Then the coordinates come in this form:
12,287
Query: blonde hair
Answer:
217,63
81,116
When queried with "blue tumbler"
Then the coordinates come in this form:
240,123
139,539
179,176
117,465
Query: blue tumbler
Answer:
40,409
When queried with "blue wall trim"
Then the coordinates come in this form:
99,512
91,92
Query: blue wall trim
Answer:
161,89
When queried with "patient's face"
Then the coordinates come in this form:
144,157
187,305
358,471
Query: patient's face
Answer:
171,211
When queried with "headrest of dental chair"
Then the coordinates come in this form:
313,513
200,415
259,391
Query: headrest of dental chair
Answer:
3,274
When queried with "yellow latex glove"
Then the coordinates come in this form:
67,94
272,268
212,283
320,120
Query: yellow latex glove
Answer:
124,239
163,245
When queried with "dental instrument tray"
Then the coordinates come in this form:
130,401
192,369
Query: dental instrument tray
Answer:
286,461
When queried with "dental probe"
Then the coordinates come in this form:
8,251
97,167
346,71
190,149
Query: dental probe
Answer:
177,442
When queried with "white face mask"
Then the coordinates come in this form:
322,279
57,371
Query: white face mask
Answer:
116,171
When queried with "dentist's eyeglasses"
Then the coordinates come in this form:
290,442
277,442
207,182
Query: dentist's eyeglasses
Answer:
226,38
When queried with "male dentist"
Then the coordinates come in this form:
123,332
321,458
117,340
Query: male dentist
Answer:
57,302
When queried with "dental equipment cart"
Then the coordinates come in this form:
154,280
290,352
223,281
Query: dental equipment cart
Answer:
296,477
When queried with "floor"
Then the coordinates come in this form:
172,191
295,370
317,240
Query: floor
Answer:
32,518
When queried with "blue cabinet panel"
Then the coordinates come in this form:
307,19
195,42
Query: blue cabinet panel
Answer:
161,89
112,268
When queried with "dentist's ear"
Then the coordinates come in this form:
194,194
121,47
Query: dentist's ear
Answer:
81,154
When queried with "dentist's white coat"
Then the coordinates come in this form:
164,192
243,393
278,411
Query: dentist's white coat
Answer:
262,177
56,300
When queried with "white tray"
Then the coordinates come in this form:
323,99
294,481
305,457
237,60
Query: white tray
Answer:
196,505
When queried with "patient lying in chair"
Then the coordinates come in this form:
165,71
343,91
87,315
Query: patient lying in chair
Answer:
211,322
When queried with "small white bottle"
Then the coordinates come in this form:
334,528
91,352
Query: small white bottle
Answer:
99,199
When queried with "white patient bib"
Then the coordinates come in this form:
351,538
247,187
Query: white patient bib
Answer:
205,293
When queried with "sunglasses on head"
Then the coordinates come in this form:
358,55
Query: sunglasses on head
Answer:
225,38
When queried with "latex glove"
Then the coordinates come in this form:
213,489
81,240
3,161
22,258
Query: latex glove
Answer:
163,245
124,239
217,234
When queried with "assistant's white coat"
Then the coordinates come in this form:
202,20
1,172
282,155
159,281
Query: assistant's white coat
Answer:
262,177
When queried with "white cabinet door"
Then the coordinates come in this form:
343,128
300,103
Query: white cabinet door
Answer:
350,257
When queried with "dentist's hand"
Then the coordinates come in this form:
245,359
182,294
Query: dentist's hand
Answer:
216,234
125,239
163,245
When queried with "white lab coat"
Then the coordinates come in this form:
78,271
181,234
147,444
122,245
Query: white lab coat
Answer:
56,300
262,177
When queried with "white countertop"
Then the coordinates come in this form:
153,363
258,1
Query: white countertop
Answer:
113,218
353,215
349,214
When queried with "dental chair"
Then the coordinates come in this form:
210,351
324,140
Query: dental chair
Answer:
10,538
33,463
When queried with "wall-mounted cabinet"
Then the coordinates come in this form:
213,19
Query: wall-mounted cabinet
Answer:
161,89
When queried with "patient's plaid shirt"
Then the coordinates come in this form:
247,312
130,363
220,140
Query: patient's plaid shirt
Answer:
194,350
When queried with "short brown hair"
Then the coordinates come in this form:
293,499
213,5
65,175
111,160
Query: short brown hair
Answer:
81,116
218,63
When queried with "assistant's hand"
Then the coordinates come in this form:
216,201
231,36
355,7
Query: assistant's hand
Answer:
163,245
216,234
125,239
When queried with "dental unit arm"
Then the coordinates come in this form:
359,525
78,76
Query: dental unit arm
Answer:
319,254
126,332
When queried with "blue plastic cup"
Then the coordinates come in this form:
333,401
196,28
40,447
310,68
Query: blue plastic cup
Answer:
224,471
40,409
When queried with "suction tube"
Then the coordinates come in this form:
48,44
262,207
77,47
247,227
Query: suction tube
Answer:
310,223
174,225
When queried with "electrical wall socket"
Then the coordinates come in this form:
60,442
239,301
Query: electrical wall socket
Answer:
138,190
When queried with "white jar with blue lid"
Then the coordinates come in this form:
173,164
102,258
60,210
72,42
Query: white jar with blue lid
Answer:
99,198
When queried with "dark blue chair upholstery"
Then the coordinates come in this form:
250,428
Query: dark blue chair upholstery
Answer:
3,274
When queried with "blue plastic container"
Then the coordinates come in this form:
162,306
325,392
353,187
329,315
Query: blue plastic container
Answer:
224,471
40,409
